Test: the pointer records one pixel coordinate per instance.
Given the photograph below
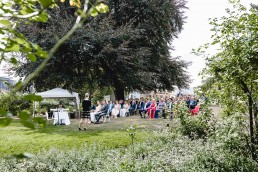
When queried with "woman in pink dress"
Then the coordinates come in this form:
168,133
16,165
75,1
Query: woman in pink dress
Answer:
151,109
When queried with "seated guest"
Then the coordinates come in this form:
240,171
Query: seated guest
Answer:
110,107
192,103
160,107
151,109
147,104
104,111
140,106
124,110
170,105
93,107
121,102
187,101
96,112
133,107
115,110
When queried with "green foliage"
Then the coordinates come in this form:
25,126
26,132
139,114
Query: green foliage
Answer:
29,122
14,103
195,126
232,134
12,40
164,151
131,132
5,122
47,106
40,121
220,160
233,68
33,97
3,112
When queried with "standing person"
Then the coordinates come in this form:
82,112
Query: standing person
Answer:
86,106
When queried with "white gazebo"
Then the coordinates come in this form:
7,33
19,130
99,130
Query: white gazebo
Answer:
60,93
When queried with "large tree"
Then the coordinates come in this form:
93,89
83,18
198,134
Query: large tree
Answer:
128,48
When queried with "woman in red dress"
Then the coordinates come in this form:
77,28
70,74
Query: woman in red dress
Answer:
151,109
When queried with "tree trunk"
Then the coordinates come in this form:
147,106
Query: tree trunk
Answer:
256,123
250,104
250,108
119,93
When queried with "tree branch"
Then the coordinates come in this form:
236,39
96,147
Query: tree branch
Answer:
42,66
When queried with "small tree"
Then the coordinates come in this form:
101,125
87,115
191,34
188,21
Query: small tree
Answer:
234,67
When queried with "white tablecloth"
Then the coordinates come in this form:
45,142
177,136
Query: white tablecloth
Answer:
62,117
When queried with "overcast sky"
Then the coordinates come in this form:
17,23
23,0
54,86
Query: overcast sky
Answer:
197,32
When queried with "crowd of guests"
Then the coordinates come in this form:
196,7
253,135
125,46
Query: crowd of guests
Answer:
145,107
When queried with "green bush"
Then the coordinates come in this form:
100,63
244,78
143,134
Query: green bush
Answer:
195,126
15,103
232,133
47,106
221,160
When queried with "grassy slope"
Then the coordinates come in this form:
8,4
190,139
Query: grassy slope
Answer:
16,139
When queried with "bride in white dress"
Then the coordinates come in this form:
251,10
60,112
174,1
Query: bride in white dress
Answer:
124,110
97,111
115,110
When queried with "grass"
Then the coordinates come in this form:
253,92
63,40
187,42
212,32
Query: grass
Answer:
16,139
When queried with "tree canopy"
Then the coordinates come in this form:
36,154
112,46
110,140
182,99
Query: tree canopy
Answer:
126,48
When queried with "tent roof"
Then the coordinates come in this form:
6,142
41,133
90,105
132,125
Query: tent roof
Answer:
57,93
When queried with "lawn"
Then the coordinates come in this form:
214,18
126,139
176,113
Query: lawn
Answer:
16,139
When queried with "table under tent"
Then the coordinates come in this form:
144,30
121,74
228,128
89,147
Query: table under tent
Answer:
58,93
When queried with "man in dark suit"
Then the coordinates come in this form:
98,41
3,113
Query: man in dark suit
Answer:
133,107
104,111
145,105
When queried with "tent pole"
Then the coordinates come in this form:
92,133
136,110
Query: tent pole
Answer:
34,106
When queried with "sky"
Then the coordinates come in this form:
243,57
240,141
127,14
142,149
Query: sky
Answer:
197,32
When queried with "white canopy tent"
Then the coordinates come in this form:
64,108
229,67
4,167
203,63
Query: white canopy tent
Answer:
60,93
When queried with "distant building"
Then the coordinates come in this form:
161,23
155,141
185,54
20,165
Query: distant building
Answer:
4,82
